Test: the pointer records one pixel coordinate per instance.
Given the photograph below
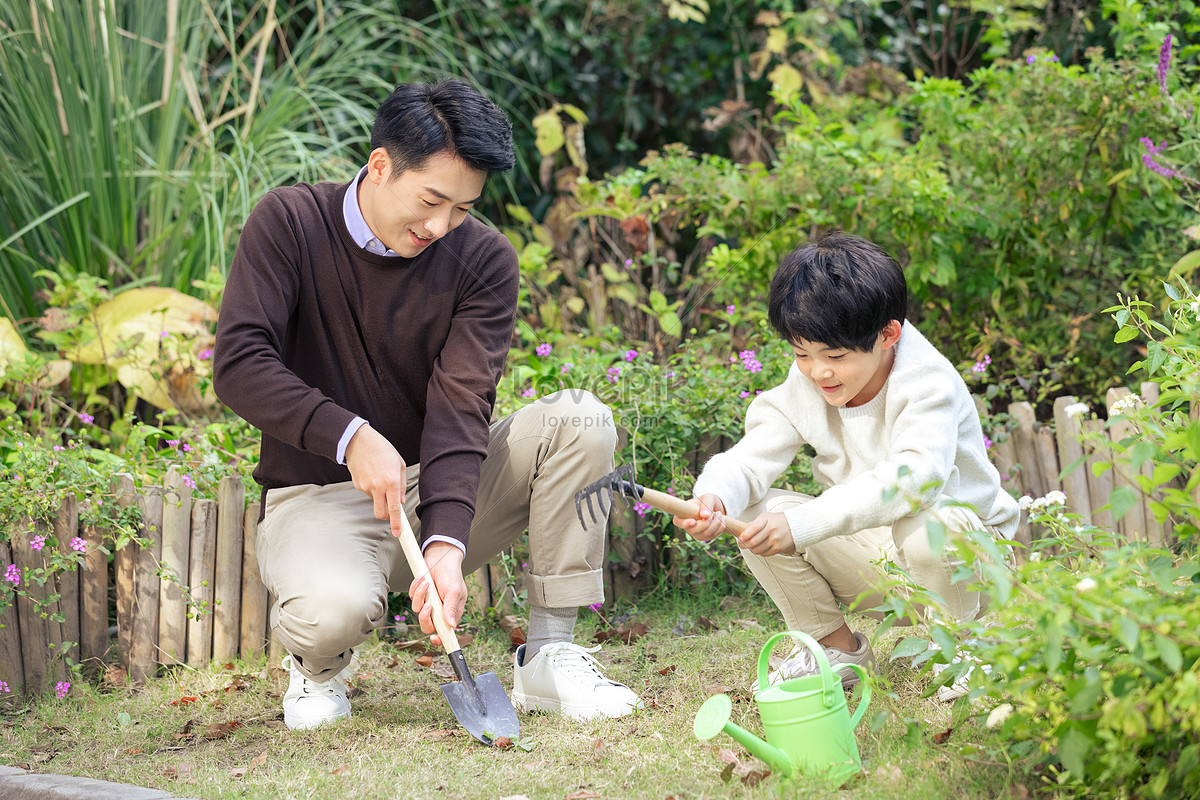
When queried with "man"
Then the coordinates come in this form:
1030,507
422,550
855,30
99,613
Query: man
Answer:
363,330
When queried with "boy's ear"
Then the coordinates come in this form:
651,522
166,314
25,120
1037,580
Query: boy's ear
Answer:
891,333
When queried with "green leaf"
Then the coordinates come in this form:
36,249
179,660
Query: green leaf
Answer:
1186,265
936,532
909,647
1125,334
1073,749
1127,632
1121,500
1169,651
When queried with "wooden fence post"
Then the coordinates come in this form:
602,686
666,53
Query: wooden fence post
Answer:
41,636
253,637
66,529
201,579
231,521
123,568
12,667
93,599
1132,526
143,638
1100,485
1023,444
175,563
1068,430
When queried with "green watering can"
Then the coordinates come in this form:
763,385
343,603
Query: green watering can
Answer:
808,727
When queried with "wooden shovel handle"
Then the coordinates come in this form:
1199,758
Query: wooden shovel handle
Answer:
683,508
416,563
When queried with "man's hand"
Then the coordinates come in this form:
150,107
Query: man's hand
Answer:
378,471
445,568
712,519
768,535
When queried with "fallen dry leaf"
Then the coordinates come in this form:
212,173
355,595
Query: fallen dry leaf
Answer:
628,635
465,639
343,770
425,661
183,701
503,743
412,644
238,772
259,760
754,776
667,670
940,738
444,733
598,746
220,730
443,670
516,637
115,676
229,665
707,624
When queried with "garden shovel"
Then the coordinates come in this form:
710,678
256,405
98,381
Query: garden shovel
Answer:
620,482
479,702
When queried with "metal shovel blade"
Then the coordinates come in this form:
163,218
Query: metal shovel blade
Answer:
480,704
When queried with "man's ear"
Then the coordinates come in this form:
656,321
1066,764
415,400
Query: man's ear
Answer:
379,165
891,333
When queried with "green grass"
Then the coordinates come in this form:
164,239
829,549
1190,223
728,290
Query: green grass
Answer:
403,741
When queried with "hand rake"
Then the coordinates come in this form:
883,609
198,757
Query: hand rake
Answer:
620,482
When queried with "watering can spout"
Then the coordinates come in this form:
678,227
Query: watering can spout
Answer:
713,718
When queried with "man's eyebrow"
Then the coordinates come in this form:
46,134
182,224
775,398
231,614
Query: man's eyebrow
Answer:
441,196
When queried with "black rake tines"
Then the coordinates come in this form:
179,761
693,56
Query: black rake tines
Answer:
618,482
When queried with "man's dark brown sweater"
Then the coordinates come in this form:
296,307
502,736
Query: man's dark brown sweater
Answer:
314,330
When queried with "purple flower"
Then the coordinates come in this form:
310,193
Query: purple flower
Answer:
987,443
671,374
628,263
982,365
744,394
567,367
4,687
13,574
641,508
61,688
189,482
614,374
86,418
544,349
1054,58
630,355
164,334
749,361
172,443
205,354
1030,59
596,606
78,544
729,309
1164,62
38,543
530,392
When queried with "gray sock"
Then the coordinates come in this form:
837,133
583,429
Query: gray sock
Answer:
546,626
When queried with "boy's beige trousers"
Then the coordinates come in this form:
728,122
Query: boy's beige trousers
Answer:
330,563
808,587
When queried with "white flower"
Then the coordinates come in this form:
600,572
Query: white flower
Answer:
1025,502
1086,585
1035,556
1127,404
998,715
1056,499
1075,409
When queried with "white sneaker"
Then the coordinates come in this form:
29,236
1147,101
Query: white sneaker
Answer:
801,662
307,703
564,677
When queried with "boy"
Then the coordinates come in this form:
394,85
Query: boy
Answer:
884,411
363,330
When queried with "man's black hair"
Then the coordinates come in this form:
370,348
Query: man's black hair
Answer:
839,290
419,120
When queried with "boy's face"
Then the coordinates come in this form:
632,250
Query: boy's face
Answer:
412,210
848,377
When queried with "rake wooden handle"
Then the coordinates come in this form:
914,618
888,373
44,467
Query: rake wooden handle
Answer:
683,508
416,563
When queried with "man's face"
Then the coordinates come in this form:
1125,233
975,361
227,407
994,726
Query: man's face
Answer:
848,377
412,210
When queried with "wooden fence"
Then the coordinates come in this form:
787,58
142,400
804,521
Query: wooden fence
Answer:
210,546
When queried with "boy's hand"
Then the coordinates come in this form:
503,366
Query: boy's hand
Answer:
377,470
445,568
768,535
711,523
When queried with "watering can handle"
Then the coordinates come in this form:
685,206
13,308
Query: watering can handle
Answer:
865,700
828,685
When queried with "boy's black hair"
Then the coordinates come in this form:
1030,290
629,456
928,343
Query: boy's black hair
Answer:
839,290
419,120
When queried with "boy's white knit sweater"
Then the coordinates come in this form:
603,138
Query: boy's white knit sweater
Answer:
918,440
